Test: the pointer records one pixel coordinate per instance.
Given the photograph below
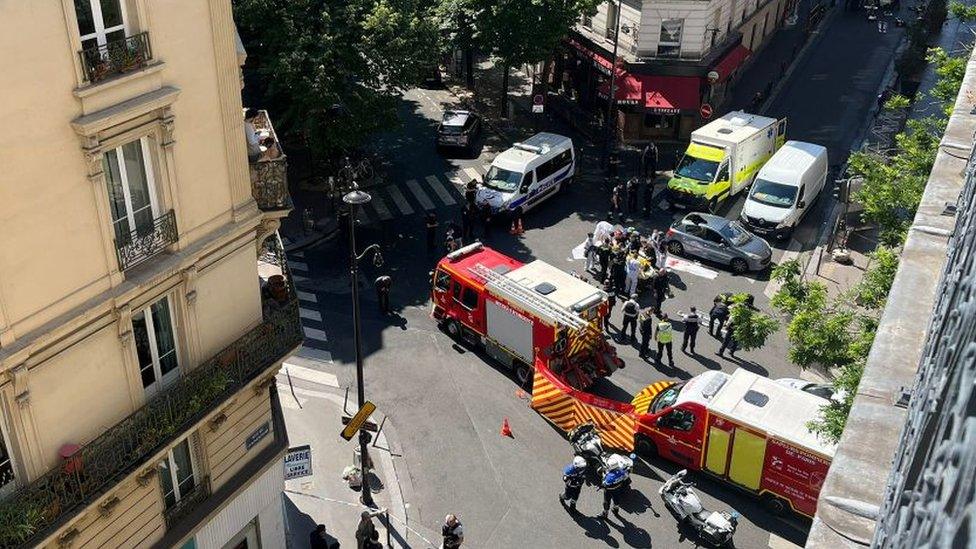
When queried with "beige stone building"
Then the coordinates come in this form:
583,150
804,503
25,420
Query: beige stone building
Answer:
142,313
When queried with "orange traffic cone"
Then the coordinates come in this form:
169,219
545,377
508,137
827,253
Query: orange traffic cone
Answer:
518,226
506,430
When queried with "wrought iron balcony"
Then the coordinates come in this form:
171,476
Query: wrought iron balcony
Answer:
116,57
187,503
145,242
269,172
42,506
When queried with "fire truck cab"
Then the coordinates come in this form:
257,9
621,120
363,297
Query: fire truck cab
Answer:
742,428
518,312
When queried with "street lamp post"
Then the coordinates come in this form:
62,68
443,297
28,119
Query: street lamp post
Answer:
355,198
611,94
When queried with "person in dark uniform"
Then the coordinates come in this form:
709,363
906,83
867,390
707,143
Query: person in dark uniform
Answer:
318,540
431,224
611,302
467,222
649,160
729,342
662,286
691,321
486,219
618,270
470,192
631,309
648,196
603,255
452,532
646,320
718,315
574,475
632,187
383,285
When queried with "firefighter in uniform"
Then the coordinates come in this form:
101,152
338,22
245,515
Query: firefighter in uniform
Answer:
574,475
663,336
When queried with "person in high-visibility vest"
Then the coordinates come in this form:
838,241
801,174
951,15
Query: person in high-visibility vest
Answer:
663,335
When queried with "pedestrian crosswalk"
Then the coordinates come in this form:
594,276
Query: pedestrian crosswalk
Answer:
313,326
417,196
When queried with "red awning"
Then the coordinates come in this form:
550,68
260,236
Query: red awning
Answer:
630,88
727,65
671,94
599,61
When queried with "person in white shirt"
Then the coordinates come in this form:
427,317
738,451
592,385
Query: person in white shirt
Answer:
589,252
251,134
633,272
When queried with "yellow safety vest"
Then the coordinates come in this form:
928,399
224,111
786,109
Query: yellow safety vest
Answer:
664,331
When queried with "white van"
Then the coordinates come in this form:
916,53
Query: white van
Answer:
528,173
785,188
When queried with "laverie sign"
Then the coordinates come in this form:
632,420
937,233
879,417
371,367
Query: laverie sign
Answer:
298,462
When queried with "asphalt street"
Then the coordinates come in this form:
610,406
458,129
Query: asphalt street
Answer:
448,401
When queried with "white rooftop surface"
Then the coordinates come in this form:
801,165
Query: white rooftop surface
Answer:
789,162
515,159
702,387
743,125
569,289
783,416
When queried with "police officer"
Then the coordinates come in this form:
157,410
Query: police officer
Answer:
610,485
719,314
574,475
646,330
691,321
452,532
631,310
663,337
729,342
648,196
383,285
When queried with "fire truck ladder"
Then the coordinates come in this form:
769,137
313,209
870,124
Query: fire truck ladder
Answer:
528,296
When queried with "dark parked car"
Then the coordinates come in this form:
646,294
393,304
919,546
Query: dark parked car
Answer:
459,129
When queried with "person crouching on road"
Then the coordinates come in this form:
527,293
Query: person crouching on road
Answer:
453,533
574,475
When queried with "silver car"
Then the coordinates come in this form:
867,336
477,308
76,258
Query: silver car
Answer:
718,240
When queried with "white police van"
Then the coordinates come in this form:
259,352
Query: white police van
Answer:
528,173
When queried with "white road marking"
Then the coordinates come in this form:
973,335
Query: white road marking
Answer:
307,296
313,354
420,195
678,264
776,542
309,314
471,173
400,201
308,374
380,207
297,266
442,192
315,334
299,254
298,278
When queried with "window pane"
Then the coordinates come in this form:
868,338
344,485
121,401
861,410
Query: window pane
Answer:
86,23
165,475
135,173
117,37
184,468
671,31
140,333
111,13
163,330
116,196
6,467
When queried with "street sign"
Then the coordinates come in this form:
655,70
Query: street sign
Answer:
538,103
368,426
298,462
705,110
357,420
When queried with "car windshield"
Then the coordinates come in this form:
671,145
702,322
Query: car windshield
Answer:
773,194
502,180
734,233
451,130
666,398
697,168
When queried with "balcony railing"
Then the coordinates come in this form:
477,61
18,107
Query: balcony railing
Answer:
116,57
145,242
52,499
269,172
187,503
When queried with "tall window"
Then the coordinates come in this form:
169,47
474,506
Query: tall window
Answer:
155,340
100,21
670,43
6,466
176,474
131,193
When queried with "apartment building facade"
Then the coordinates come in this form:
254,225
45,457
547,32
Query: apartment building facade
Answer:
144,301
673,57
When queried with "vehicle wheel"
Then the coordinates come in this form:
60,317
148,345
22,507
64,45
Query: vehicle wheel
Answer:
713,205
775,505
523,373
453,329
739,265
675,248
645,447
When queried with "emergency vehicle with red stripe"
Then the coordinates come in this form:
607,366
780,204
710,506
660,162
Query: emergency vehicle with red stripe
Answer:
520,312
743,429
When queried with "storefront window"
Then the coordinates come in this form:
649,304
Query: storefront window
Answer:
659,121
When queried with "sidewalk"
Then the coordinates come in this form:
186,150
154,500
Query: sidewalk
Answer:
313,418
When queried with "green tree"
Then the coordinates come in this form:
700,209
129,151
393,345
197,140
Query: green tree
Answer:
460,25
312,55
751,328
871,292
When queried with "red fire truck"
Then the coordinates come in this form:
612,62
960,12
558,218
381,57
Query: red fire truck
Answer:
742,428
521,312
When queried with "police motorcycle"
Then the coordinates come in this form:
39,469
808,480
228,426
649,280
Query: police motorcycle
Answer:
712,527
587,444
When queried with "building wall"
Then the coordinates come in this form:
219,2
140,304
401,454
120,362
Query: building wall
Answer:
225,447
260,501
54,211
697,15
